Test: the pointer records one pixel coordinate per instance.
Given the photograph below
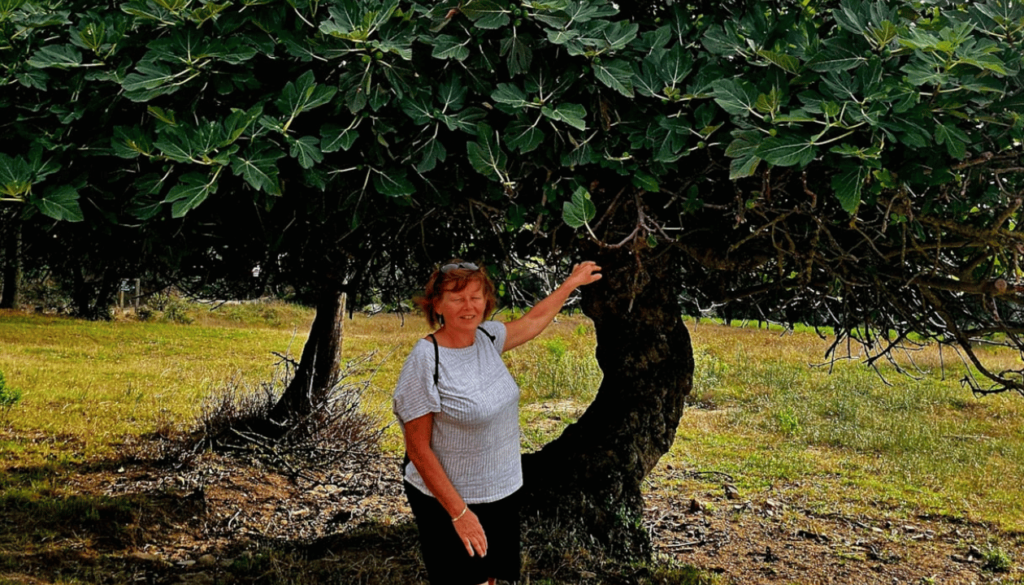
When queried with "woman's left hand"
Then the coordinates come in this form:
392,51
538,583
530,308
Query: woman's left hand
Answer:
584,273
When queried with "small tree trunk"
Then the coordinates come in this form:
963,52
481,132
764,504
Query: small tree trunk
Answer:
587,482
11,298
319,365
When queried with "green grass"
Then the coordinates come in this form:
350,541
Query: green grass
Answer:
837,443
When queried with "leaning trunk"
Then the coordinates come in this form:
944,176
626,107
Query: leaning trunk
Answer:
11,298
587,482
319,365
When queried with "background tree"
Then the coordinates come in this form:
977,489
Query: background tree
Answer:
857,160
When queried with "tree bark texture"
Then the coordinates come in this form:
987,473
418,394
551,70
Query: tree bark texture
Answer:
320,364
11,296
587,482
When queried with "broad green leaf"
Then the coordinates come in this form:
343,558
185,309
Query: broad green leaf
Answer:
449,47
646,181
954,139
674,66
847,185
464,120
580,210
192,189
303,95
738,97
15,176
60,203
59,56
131,142
523,137
519,54
616,74
571,114
742,150
259,168
486,14
785,62
433,152
307,150
833,59
334,138
509,94
393,183
787,151
452,94
618,35
486,155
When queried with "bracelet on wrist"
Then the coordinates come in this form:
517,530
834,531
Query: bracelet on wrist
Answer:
461,514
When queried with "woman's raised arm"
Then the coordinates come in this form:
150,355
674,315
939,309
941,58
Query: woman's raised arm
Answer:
525,328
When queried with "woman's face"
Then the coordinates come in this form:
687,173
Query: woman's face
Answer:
463,310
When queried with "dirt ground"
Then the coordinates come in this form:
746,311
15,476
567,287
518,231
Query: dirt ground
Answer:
215,519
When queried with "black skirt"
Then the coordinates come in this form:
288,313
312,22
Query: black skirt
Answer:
445,555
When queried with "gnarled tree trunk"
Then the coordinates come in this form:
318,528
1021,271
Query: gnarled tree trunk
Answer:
587,482
319,365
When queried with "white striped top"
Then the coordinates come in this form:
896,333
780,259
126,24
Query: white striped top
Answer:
476,422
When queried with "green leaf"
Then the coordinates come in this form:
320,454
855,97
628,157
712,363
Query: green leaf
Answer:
954,139
833,59
433,152
520,55
191,190
60,203
307,150
334,138
786,151
393,183
304,95
743,152
449,47
785,62
486,156
616,74
646,182
509,94
578,212
737,97
59,56
259,168
15,176
847,185
571,114
131,142
486,14
523,137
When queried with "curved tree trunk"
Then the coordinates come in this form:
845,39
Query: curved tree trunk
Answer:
587,482
11,297
319,365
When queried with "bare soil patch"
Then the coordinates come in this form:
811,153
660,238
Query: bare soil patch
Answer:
150,518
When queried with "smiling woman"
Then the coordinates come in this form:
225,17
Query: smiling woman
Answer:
458,407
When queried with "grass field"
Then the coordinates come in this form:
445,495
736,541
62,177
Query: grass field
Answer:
842,442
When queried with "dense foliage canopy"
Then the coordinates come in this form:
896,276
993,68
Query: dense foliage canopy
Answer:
856,160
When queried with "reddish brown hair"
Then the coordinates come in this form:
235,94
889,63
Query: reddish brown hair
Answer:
454,281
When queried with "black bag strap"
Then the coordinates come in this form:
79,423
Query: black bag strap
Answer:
437,358
437,355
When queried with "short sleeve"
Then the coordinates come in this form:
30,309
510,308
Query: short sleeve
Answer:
497,329
415,394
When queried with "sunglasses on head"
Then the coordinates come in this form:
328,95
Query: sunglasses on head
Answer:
461,265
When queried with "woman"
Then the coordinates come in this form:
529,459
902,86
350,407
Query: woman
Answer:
459,410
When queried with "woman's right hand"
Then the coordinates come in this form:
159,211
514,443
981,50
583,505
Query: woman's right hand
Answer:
472,533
